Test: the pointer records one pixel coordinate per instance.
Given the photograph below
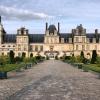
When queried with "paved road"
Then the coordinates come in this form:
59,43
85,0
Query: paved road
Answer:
55,80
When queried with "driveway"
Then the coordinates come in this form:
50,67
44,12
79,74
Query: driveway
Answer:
52,80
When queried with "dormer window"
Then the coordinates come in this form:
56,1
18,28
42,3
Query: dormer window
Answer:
22,31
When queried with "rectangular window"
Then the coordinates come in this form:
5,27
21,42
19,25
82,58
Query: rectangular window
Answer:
77,39
83,39
19,47
76,47
91,40
36,48
41,48
31,49
87,47
83,47
95,48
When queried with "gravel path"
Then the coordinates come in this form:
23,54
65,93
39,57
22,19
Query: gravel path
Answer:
51,80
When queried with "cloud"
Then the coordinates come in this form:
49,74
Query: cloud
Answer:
15,13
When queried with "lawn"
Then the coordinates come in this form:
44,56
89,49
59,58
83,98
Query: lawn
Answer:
93,67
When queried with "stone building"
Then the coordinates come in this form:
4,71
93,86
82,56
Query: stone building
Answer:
52,43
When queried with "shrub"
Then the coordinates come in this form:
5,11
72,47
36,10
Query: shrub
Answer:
67,58
98,60
56,57
4,60
11,57
18,59
47,58
94,57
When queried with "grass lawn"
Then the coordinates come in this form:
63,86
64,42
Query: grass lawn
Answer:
93,67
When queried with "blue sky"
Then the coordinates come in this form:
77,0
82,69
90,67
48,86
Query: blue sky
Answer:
34,13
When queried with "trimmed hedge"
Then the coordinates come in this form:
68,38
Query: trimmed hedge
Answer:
10,67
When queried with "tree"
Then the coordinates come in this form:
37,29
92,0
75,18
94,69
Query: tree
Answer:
31,55
82,56
94,57
23,55
4,60
18,59
11,56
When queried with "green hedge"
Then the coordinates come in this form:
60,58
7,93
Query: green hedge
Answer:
10,67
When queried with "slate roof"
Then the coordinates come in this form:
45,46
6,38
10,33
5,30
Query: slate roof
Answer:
36,38
65,35
10,38
33,38
39,38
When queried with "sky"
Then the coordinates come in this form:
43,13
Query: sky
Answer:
33,14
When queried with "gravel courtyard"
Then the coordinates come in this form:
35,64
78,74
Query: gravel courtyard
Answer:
51,80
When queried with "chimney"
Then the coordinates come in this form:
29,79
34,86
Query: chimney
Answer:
96,31
58,27
0,19
46,25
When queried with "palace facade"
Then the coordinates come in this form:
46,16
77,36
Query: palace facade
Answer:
52,43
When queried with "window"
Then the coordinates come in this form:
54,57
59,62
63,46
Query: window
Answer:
83,39
25,47
83,47
31,48
36,48
77,39
51,48
95,48
41,48
88,47
76,47
51,40
19,47
91,40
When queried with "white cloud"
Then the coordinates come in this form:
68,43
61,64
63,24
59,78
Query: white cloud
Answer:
15,13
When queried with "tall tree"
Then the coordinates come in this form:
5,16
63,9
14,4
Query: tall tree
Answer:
31,55
94,57
11,56
23,55
82,56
